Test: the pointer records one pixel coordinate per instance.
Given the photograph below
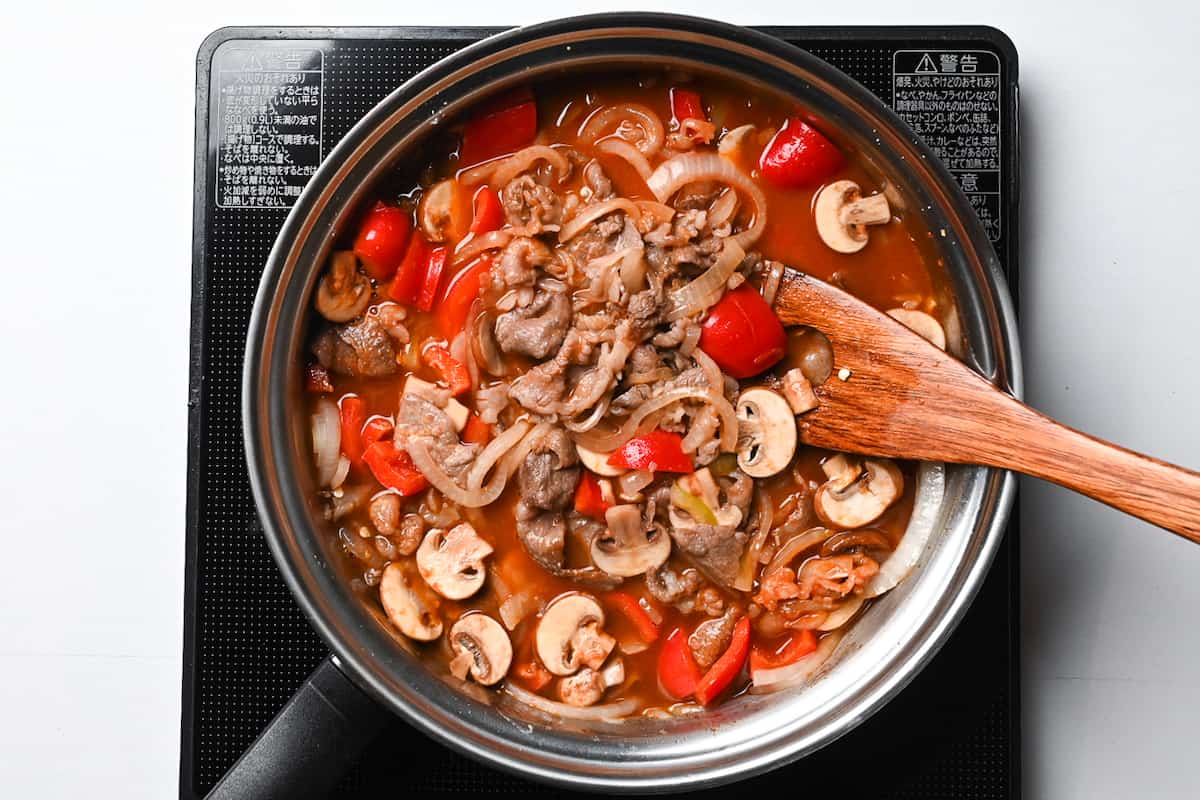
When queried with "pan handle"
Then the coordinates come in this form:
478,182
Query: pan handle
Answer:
307,747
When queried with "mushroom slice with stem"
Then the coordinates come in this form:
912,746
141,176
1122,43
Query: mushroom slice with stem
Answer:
841,470
628,547
798,391
587,686
843,214
482,647
343,292
864,499
766,433
452,562
921,324
408,611
570,635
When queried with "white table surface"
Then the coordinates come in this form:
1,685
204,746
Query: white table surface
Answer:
95,203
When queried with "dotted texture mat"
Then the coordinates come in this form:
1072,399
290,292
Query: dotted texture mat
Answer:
951,734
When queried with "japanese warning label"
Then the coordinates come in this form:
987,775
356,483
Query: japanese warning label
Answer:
952,98
268,125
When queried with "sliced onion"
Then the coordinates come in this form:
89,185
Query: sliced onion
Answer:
733,139
327,439
494,451
632,482
611,712
677,172
593,418
483,344
770,286
843,613
931,487
690,339
641,416
722,209
658,212
798,544
472,246
652,128
594,211
516,608
631,647
620,148
763,520
711,371
340,472
798,671
424,461
707,289
501,171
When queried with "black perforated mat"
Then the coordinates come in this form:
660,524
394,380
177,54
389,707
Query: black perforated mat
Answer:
270,103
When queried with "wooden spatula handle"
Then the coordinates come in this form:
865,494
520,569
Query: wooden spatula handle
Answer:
1153,490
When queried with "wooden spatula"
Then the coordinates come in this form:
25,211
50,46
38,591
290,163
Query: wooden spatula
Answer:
896,395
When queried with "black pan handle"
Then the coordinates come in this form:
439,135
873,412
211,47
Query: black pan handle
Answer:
310,743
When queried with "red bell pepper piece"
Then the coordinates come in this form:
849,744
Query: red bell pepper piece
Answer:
354,414
382,239
433,277
678,672
799,155
798,645
489,214
375,430
656,451
685,104
589,500
504,125
455,302
453,371
631,608
742,334
394,469
316,379
476,431
722,673
411,273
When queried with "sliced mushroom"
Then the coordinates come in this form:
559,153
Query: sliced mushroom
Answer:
569,635
587,686
435,212
597,462
452,562
863,500
484,645
922,324
843,214
441,398
766,433
405,607
343,292
798,391
841,470
627,548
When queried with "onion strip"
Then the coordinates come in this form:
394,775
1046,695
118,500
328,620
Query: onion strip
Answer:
653,133
493,452
931,486
616,146
797,545
594,211
707,289
798,671
607,442
424,461
675,173
610,712
501,171
327,439
472,246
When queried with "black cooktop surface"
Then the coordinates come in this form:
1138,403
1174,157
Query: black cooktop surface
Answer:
270,103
